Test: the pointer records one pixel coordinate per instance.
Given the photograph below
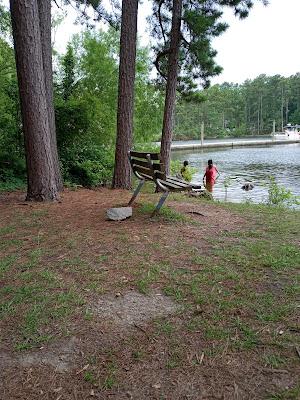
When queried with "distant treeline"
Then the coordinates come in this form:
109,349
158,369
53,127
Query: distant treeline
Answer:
235,110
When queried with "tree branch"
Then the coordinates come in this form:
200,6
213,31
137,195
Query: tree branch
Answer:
156,62
57,4
185,41
160,21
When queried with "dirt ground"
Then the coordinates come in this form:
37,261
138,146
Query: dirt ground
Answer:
171,307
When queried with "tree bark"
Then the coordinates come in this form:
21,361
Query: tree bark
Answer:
37,136
45,28
170,99
122,171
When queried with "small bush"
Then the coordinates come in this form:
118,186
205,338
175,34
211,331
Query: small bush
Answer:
280,196
90,173
12,171
89,166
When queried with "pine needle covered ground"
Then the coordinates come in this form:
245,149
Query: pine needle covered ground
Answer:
201,302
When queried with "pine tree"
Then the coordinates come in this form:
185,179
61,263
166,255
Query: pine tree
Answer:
199,23
42,168
44,7
122,175
68,79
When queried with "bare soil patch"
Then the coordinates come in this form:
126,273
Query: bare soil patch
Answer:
134,308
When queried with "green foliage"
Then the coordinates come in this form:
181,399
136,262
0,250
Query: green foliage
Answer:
90,173
86,106
72,123
85,92
12,163
12,171
89,165
237,110
280,196
68,79
200,23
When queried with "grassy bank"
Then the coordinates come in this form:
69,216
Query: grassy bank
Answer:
231,271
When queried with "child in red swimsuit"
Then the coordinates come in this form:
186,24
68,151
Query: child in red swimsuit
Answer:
211,174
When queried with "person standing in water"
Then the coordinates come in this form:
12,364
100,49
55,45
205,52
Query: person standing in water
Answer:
211,175
185,172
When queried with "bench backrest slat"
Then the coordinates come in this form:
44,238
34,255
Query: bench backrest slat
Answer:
144,171
142,163
147,164
143,155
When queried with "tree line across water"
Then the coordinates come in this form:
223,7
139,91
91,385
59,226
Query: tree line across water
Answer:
241,109
78,120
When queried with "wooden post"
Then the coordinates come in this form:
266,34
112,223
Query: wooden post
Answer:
274,129
202,133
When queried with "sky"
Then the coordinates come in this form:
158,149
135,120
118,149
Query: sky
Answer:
264,43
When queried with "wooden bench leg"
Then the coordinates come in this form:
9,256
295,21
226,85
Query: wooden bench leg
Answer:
136,192
160,203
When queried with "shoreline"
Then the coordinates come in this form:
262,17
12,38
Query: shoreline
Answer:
191,146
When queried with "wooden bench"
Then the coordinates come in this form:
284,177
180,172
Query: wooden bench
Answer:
148,167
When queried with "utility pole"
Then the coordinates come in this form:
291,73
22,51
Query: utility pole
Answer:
282,105
202,133
287,111
261,113
258,120
274,129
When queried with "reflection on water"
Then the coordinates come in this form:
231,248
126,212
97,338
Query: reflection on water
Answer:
248,164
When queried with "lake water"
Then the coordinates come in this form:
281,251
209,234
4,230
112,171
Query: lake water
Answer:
247,164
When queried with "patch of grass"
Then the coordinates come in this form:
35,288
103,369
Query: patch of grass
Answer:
283,257
33,259
6,263
247,337
5,230
149,276
38,308
173,361
142,286
174,292
214,331
101,258
89,377
293,289
274,360
164,327
166,213
39,213
16,296
7,308
268,309
49,276
9,243
64,303
110,380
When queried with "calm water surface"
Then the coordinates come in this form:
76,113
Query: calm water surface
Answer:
247,164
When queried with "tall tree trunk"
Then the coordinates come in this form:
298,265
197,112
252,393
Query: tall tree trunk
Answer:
37,136
122,172
45,28
170,99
